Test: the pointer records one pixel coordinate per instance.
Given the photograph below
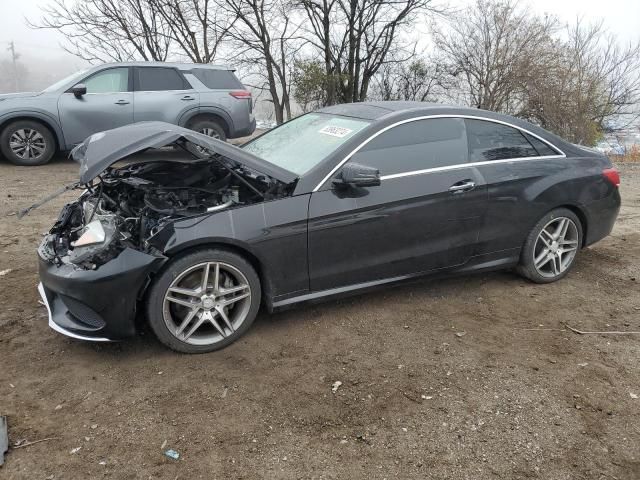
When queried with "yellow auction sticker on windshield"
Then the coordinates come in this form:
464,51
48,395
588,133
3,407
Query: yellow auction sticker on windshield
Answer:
334,131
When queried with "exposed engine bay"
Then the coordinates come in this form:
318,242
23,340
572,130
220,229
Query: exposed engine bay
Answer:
125,206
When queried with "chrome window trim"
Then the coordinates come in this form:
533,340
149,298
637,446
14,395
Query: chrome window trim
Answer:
464,165
448,167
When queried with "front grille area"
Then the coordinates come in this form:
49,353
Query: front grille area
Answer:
79,312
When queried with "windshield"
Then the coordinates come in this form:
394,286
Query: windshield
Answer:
64,81
302,143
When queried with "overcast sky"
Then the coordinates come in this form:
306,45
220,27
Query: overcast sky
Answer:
620,16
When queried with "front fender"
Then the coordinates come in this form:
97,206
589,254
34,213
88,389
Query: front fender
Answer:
37,114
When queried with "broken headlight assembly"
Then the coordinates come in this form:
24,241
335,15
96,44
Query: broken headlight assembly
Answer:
94,239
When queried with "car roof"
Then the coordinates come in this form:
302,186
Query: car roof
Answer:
179,66
384,113
380,109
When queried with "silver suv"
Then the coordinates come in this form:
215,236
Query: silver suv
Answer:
206,98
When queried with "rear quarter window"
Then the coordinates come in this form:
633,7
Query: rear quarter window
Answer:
494,141
154,79
217,79
542,148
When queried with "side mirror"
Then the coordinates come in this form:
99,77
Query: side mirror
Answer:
79,90
356,175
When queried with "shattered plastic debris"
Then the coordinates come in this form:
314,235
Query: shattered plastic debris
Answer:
633,395
336,386
4,272
75,450
172,454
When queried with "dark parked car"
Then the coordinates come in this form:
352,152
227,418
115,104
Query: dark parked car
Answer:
206,98
335,201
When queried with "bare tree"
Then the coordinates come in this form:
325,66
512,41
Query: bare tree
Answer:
322,15
357,37
492,48
591,80
109,30
265,42
120,30
196,27
421,80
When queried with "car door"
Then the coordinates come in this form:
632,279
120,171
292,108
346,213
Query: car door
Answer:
425,214
515,165
162,94
107,104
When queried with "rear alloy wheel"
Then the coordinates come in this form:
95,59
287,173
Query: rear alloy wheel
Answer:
27,143
204,301
551,248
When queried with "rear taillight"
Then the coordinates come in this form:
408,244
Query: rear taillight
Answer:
242,94
612,175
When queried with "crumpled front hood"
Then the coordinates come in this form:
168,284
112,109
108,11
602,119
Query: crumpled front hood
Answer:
101,150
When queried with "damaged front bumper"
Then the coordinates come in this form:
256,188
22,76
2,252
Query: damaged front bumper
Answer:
97,305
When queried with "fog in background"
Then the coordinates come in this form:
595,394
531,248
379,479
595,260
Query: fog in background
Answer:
41,60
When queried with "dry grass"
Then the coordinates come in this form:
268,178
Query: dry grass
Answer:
633,155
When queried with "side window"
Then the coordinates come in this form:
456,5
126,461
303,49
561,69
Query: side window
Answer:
108,81
541,147
416,145
217,79
493,141
154,79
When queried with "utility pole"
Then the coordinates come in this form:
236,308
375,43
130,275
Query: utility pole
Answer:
14,58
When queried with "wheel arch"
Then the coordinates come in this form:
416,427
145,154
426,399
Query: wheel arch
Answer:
239,249
217,115
572,207
48,123
582,216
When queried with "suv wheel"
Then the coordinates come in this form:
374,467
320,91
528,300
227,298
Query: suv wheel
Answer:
211,128
27,143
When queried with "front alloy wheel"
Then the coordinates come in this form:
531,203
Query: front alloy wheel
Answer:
204,301
207,303
551,247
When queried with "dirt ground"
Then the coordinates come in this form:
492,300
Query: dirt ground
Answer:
467,378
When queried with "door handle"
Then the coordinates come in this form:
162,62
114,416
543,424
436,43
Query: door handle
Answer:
462,186
188,97
122,102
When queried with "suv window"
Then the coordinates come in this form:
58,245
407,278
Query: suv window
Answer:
417,145
108,81
494,141
154,79
217,79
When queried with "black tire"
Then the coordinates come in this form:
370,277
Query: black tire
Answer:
42,138
209,127
527,267
156,298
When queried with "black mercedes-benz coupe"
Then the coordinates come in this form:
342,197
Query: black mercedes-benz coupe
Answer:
343,199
